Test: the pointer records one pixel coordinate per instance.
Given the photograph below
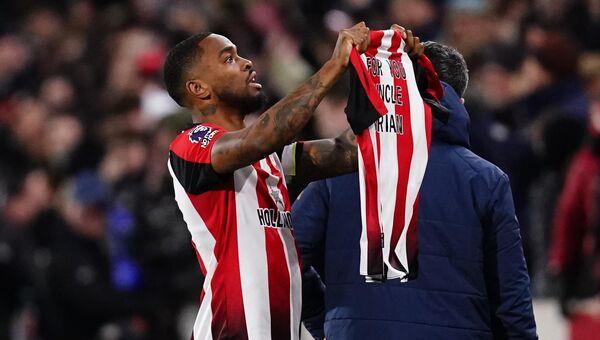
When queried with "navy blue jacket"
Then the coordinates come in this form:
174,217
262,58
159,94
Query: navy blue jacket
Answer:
472,281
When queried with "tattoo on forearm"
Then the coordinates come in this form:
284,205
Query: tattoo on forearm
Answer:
342,158
277,127
330,157
293,112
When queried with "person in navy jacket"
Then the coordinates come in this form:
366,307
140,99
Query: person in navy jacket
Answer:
472,281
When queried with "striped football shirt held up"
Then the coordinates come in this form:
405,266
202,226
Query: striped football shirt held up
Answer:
393,127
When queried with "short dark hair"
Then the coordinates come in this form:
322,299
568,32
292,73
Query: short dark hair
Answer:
449,64
178,61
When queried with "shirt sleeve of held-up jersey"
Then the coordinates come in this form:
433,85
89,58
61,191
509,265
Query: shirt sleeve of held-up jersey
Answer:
189,157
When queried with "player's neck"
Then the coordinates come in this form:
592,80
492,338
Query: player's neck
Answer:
229,119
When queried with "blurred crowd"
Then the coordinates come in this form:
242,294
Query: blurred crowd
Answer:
92,244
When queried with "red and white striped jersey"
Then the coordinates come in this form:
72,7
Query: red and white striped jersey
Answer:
241,230
392,153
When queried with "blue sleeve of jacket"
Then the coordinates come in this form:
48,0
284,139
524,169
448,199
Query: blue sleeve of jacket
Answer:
507,278
309,218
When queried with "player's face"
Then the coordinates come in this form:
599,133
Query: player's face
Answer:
231,78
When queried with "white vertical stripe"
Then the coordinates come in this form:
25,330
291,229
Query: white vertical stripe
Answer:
202,325
295,281
293,265
388,163
287,164
364,236
373,133
252,256
364,247
205,245
419,158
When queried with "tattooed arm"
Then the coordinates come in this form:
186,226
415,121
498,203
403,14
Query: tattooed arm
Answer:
280,124
322,158
328,157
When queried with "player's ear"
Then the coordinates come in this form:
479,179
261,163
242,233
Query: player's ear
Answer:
462,100
197,88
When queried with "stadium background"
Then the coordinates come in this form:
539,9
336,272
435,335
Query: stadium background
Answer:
89,232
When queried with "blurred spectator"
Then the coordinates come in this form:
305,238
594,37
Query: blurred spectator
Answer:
533,135
559,137
28,231
575,253
81,297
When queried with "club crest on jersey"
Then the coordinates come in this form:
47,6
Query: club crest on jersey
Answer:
202,134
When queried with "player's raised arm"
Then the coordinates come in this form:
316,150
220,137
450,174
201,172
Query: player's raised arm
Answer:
325,158
280,124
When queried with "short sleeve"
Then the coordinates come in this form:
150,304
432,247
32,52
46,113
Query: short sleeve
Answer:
290,157
189,159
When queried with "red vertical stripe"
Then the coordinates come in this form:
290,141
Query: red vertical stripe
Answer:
279,285
428,116
288,204
373,227
404,156
375,42
277,268
412,238
374,253
412,234
200,262
228,319
367,79
378,143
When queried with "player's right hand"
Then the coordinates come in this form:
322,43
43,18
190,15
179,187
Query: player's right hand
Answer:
355,36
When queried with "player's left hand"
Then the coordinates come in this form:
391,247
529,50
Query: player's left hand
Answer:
413,46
